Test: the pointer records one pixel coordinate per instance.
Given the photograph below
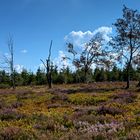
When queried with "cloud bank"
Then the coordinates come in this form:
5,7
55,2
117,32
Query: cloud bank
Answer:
79,38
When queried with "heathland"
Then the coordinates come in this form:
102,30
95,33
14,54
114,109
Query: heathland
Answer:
100,111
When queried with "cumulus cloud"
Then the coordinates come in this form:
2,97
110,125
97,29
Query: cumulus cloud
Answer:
61,60
24,51
18,68
104,32
79,38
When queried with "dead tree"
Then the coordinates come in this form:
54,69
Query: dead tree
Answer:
8,61
47,65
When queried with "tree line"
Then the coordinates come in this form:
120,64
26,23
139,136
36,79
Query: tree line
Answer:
66,76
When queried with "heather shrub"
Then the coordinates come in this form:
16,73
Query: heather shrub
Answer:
45,125
98,130
81,98
10,114
2,103
133,135
9,133
40,117
44,114
126,97
16,104
24,94
15,133
88,118
103,110
59,96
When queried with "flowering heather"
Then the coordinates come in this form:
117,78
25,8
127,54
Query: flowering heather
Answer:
46,114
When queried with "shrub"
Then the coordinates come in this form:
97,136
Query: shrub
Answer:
133,135
2,104
125,97
16,104
81,98
24,94
10,114
9,133
109,110
15,133
46,125
4,86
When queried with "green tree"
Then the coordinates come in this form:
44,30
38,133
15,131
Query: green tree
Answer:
115,74
93,53
25,77
40,77
4,77
126,42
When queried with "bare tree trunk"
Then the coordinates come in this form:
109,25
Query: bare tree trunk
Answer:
85,74
138,85
11,61
47,65
49,78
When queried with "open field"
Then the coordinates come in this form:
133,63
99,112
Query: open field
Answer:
97,111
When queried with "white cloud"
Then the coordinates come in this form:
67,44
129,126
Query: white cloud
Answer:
78,38
18,68
60,61
104,32
24,51
41,66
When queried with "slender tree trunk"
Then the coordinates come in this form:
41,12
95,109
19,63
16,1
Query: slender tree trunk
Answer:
129,63
85,74
48,67
11,62
128,77
13,81
49,78
138,85
12,74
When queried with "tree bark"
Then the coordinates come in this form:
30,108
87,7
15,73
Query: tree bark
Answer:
128,77
49,78
130,60
138,85
85,74
11,62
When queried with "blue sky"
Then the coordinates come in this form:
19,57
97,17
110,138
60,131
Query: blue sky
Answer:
33,23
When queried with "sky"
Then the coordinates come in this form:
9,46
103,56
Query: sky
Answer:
34,23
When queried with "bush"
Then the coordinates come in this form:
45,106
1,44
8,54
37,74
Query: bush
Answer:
103,110
15,133
125,97
81,99
4,86
10,114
